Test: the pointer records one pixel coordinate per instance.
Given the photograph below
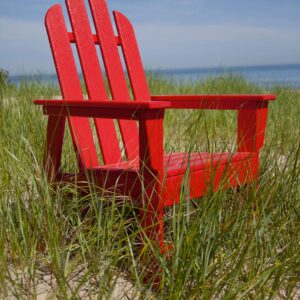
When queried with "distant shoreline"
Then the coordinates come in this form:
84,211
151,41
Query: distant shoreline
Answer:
264,75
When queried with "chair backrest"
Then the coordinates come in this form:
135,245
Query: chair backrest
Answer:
86,42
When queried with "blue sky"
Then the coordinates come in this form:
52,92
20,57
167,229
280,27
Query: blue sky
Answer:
171,33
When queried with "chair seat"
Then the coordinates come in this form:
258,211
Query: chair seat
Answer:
201,172
202,168
177,163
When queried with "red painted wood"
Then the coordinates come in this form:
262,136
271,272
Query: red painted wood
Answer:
233,97
81,111
99,109
115,72
53,149
251,129
93,104
105,113
151,172
95,38
195,161
91,70
176,163
220,102
71,89
223,174
132,58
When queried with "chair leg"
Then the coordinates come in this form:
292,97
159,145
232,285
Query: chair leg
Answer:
151,215
151,172
151,202
54,142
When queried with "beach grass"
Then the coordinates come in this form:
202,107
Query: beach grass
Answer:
58,243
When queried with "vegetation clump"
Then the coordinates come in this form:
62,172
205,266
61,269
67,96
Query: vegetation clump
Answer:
234,244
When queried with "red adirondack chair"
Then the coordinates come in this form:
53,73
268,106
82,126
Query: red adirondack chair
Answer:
147,174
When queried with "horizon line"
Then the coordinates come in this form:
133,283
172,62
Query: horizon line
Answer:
163,70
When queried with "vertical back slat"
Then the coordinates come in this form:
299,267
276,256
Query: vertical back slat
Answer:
132,58
115,72
93,77
70,85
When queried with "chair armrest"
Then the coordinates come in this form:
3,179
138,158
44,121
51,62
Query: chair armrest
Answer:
100,109
252,113
222,102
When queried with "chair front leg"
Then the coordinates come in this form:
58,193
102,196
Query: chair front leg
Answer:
251,128
251,135
54,143
151,172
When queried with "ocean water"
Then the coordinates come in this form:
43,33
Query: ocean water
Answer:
265,76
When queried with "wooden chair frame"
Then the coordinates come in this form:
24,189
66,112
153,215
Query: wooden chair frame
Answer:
148,175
